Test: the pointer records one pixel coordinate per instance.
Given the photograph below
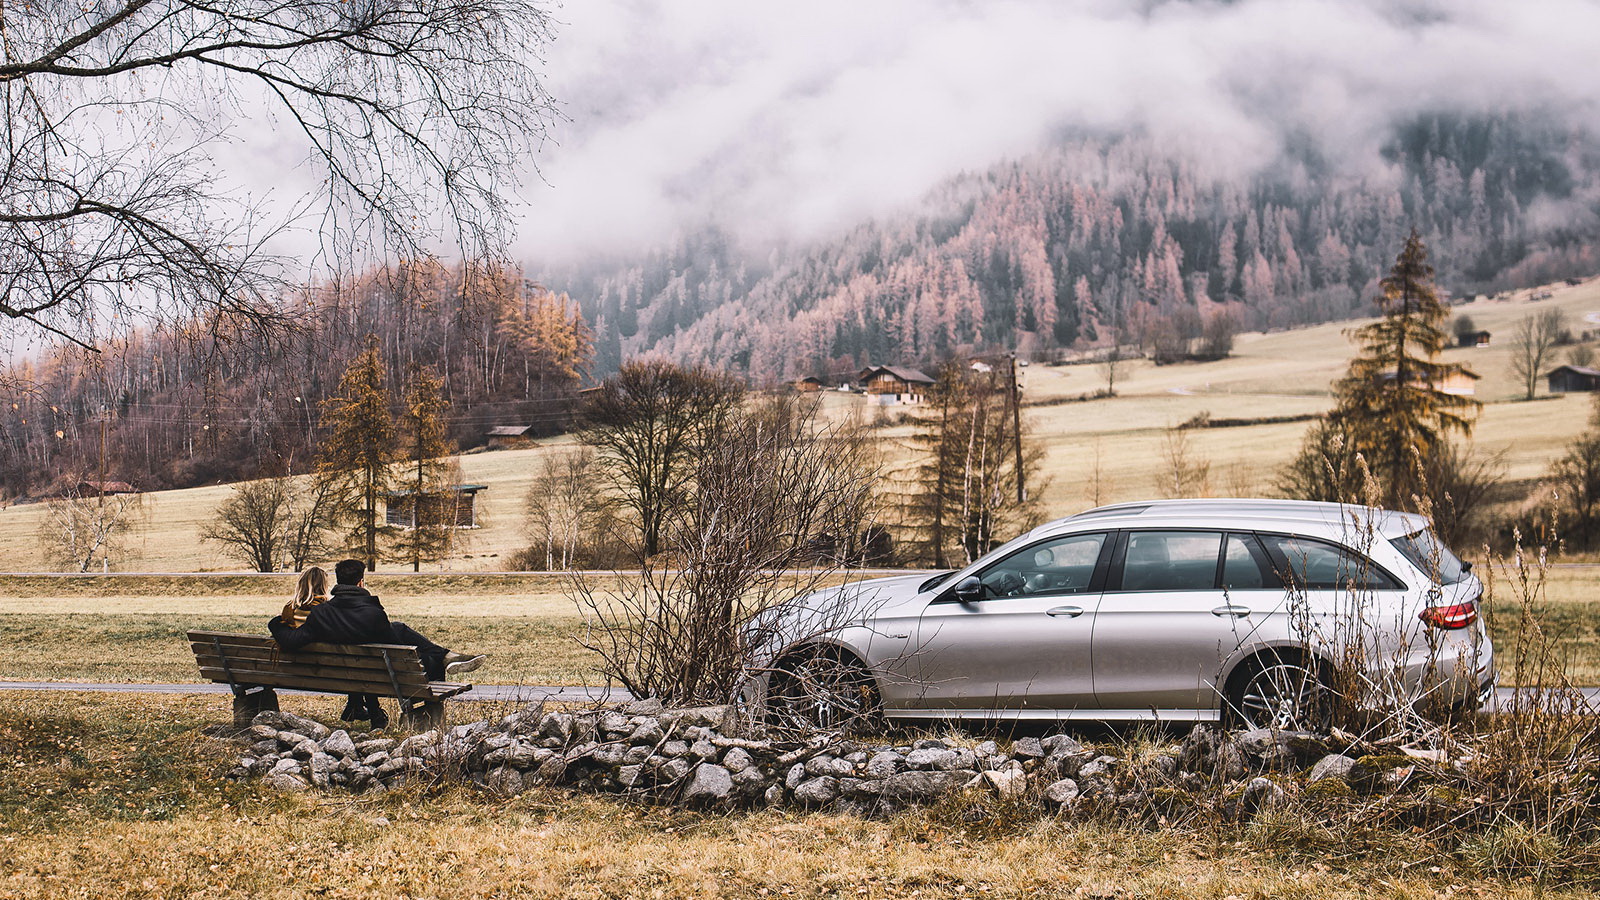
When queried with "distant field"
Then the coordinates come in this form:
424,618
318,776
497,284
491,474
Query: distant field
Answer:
1270,375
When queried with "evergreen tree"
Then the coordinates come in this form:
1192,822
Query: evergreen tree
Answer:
966,501
426,483
355,459
1390,409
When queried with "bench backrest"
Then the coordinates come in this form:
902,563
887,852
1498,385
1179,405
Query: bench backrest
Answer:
391,670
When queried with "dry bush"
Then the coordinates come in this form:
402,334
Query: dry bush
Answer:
780,501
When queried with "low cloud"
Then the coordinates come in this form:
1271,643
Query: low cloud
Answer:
788,122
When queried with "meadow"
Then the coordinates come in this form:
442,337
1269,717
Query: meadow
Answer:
1095,451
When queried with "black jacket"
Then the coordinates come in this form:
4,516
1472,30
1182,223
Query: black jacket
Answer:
350,615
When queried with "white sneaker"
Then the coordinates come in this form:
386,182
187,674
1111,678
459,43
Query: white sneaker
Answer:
455,663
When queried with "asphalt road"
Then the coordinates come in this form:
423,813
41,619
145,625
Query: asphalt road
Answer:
491,693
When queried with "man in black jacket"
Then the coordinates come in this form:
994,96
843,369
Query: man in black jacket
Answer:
353,615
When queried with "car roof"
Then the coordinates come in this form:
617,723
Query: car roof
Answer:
1248,514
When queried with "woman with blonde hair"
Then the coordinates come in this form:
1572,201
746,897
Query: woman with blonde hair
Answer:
312,590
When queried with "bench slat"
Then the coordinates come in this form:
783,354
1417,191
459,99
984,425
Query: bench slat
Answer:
433,690
402,662
365,651
295,667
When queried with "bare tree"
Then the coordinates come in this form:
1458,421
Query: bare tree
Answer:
769,492
648,423
1184,473
564,508
1531,345
414,115
254,522
80,529
271,522
1110,367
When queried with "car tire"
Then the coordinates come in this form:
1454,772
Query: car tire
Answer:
1279,691
823,691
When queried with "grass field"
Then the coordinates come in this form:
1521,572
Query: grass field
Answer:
122,797
1276,374
131,628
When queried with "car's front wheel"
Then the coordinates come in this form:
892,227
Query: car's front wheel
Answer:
1280,691
823,690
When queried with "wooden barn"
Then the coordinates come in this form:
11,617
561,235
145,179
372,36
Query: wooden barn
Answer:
1473,339
460,502
504,437
1566,379
890,385
810,384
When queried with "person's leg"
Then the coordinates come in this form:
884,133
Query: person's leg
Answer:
432,654
375,711
355,708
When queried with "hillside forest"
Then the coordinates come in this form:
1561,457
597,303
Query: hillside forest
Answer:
1098,241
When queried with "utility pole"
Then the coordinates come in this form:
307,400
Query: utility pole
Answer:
1016,429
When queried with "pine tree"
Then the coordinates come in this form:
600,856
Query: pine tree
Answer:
355,459
426,483
1390,409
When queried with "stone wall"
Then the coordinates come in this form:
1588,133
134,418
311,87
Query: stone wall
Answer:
701,758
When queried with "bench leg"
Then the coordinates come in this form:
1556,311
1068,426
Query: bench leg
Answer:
249,701
422,716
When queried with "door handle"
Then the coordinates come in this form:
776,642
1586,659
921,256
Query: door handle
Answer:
1071,612
1237,612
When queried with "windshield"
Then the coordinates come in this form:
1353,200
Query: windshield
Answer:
934,582
1433,558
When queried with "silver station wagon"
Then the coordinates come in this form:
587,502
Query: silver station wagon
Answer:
1189,610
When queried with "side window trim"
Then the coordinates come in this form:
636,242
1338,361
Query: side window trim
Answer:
1281,566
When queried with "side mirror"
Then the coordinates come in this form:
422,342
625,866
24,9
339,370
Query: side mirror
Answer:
969,589
1466,565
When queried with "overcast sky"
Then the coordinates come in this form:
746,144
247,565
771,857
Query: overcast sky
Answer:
795,119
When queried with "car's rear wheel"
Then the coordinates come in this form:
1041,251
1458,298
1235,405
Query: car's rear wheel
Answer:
823,690
1280,691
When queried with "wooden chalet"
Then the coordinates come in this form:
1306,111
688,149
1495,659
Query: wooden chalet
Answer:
1473,339
502,437
460,502
891,385
1569,378
810,384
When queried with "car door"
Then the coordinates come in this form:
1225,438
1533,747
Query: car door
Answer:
1165,625
1025,644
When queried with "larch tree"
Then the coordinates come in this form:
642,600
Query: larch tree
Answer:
968,476
425,484
357,457
1392,416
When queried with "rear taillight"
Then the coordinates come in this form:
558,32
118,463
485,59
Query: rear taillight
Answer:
1457,615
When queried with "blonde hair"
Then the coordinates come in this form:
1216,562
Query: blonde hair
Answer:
311,589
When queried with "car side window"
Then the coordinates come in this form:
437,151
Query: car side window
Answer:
1315,565
1171,561
1063,565
1245,566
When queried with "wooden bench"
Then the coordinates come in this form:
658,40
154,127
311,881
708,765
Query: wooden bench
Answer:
253,665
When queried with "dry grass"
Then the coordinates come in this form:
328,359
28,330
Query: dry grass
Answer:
103,798
1277,374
